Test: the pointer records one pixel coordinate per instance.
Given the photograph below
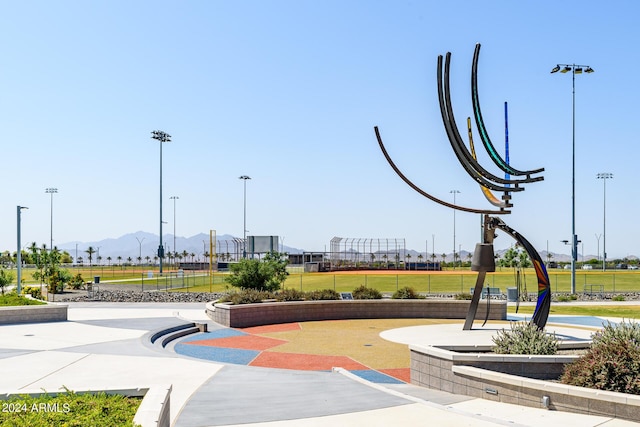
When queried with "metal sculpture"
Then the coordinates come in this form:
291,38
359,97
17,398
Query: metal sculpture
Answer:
483,259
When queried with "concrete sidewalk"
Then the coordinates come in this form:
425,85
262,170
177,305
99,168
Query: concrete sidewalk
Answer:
106,346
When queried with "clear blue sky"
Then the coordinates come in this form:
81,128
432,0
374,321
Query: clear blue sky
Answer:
288,92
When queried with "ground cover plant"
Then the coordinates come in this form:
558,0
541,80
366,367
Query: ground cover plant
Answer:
68,409
612,362
13,299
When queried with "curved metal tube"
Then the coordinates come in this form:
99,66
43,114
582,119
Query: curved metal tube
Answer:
541,313
456,149
482,130
487,193
424,193
462,149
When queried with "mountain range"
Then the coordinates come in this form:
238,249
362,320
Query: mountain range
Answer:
143,244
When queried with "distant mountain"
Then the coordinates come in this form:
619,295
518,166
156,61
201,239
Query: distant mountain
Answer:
145,244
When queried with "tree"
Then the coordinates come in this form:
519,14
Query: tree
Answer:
109,261
267,274
90,251
444,257
6,277
54,276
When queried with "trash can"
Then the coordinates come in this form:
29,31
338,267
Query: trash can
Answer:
96,279
512,294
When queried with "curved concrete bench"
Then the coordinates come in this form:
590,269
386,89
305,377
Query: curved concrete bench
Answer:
267,313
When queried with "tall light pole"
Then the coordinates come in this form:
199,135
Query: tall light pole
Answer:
244,178
454,192
174,198
139,249
161,137
604,176
51,191
19,253
575,69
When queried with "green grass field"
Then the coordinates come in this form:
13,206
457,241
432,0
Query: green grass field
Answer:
460,281
622,311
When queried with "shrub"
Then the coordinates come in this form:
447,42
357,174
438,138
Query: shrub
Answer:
618,297
267,274
247,296
290,295
324,294
463,296
362,292
525,338
567,298
612,363
406,293
33,291
76,282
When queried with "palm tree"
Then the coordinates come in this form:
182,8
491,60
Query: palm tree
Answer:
90,251
139,260
444,257
109,261
147,258
408,256
192,255
119,258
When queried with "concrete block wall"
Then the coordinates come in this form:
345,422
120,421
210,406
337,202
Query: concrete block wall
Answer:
246,315
33,314
515,381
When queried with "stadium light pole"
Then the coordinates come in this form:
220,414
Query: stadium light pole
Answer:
604,176
454,192
51,191
244,178
161,137
19,252
575,69
174,198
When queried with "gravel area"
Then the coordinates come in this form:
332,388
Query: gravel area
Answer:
123,292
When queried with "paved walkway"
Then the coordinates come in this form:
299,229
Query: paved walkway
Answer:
106,346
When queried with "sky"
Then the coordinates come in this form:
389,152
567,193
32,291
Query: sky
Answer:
288,93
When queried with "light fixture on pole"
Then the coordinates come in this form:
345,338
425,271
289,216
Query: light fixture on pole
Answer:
454,192
604,176
19,252
244,178
51,191
575,69
161,137
174,198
